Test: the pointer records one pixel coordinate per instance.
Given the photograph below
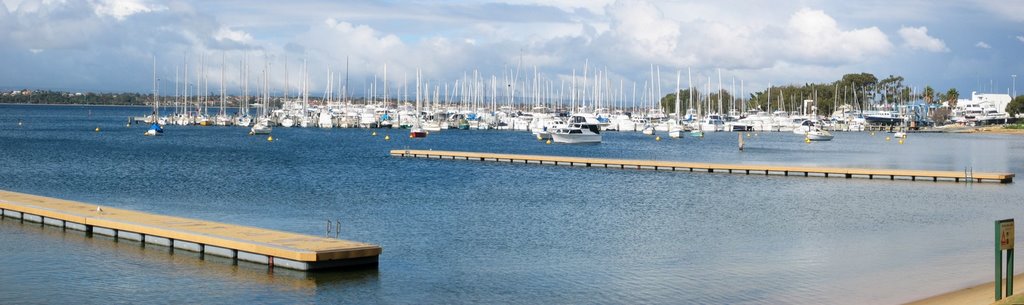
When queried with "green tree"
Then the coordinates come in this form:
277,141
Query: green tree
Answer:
860,84
668,102
1016,106
951,96
928,94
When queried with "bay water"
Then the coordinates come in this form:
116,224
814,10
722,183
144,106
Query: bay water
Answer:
485,232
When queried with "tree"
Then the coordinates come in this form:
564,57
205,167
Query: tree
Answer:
892,89
928,95
859,83
1016,106
951,96
668,102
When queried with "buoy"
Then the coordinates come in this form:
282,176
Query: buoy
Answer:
657,138
387,138
901,141
748,134
374,134
539,137
97,129
251,133
410,136
807,140
270,138
887,138
548,142
128,125
872,133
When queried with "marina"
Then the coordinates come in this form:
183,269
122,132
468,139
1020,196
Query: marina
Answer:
547,231
273,248
891,174
510,152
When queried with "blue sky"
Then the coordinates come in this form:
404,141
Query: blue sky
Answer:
108,45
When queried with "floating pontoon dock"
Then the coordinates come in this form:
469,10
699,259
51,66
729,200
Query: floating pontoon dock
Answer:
274,248
806,171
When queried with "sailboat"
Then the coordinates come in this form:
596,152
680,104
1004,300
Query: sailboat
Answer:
222,118
676,130
262,125
699,132
417,131
155,129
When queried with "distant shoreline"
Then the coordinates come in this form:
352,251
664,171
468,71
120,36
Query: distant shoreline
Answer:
72,105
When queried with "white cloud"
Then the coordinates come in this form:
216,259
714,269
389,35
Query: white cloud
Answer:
818,37
1021,38
225,33
643,30
121,9
917,38
983,45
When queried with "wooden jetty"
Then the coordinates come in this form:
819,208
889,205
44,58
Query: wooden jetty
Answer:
784,170
270,247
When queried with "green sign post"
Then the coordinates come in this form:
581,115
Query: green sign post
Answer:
1004,241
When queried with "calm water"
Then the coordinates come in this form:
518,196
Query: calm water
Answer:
471,232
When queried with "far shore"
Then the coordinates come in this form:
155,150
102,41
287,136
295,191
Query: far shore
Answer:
73,105
979,294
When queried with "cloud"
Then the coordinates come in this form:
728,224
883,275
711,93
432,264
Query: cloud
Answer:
121,9
818,37
1009,10
96,42
640,28
1020,38
917,38
225,33
982,45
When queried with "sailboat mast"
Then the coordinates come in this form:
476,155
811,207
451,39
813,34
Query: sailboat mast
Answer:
678,76
156,102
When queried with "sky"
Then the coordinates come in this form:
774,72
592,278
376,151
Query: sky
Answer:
110,45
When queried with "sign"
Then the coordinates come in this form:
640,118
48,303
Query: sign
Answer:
1006,234
1004,242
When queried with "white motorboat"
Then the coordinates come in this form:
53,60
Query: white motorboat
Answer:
577,133
581,129
712,122
812,131
818,134
543,127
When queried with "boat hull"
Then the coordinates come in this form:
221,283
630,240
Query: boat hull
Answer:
576,138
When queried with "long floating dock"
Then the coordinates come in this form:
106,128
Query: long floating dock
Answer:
806,171
270,247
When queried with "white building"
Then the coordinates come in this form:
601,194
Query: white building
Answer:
981,107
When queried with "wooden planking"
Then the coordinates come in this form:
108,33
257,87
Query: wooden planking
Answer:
753,168
293,246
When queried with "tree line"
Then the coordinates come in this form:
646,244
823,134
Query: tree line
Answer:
858,90
65,98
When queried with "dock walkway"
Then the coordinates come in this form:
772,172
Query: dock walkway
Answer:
274,248
806,171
